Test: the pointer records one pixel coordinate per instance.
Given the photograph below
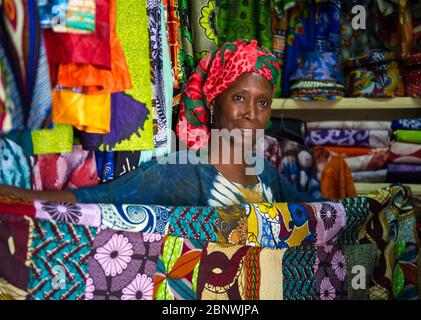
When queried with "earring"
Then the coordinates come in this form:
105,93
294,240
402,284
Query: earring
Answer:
211,116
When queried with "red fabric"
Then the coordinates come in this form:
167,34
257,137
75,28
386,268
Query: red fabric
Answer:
83,48
19,209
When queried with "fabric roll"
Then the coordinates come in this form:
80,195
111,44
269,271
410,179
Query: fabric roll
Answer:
105,163
408,136
348,137
406,124
404,167
401,152
368,162
351,151
370,176
404,173
80,16
355,125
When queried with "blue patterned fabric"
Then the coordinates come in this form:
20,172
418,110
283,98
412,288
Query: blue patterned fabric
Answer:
406,124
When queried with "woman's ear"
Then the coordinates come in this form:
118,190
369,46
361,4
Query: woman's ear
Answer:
209,104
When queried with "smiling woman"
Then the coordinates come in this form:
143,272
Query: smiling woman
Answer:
231,89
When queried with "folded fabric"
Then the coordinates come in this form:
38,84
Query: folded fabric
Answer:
93,48
370,162
93,79
409,136
404,173
80,16
370,176
348,137
66,170
86,112
56,140
52,12
355,125
392,167
401,152
406,124
413,74
351,151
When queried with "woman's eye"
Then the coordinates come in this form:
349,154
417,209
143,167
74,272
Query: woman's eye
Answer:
238,98
263,103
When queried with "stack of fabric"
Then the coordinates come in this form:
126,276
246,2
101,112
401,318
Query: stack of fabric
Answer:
405,152
362,144
266,251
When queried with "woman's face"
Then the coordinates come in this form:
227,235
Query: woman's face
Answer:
246,104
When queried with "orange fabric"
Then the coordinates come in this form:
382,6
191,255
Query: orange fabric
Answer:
335,176
86,112
92,79
348,151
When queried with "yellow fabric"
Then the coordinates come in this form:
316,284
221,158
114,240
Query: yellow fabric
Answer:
10,292
271,275
86,112
57,140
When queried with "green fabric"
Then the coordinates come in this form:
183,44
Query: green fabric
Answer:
133,33
357,210
364,256
57,140
281,6
246,20
409,136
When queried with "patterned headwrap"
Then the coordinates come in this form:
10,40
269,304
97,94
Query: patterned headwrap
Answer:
213,74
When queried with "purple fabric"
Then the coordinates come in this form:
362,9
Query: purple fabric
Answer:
404,167
346,137
330,273
122,266
330,220
127,117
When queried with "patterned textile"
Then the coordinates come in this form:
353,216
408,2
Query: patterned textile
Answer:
126,161
331,273
133,34
299,281
177,269
281,225
77,48
52,12
212,76
122,266
375,75
294,161
194,223
56,140
80,16
348,137
15,237
406,124
405,274
370,162
408,136
65,170
404,173
71,213
279,30
413,74
105,165
360,263
352,151
354,125
135,218
401,152
240,273
15,165
245,20
370,176
357,209
59,267
26,60
233,226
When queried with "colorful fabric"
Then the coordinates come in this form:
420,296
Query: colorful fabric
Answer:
330,272
357,210
375,75
77,48
214,73
65,170
15,165
71,213
294,161
352,124
370,176
127,116
348,137
349,152
51,12
279,35
105,165
408,136
299,282
360,264
15,240
403,173
122,266
194,223
177,269
126,161
413,74
405,273
401,152
133,34
59,267
282,225
233,226
406,124
56,140
240,273
80,16
8,87
370,162
21,35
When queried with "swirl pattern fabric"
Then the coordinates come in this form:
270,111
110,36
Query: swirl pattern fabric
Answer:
348,137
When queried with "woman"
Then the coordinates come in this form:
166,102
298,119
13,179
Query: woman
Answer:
232,89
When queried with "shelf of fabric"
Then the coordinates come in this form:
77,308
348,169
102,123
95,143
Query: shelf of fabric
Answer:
364,188
348,109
